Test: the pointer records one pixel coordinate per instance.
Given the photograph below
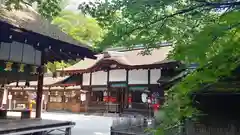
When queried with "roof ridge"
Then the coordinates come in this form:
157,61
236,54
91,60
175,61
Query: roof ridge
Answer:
136,47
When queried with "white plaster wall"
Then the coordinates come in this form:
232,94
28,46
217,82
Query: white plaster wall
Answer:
155,75
99,78
117,75
138,76
86,79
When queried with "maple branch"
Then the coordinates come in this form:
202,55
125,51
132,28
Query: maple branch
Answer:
210,5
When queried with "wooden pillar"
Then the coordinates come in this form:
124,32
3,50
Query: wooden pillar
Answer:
108,90
64,98
150,91
49,96
40,87
127,88
90,81
90,84
63,95
149,78
89,95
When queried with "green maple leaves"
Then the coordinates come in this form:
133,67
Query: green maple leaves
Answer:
200,35
47,8
82,28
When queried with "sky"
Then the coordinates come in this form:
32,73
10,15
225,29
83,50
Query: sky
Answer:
73,4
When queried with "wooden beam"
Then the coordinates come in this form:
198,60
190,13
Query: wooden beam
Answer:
40,86
52,53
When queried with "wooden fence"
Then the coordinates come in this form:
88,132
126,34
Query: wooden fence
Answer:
201,129
131,126
138,126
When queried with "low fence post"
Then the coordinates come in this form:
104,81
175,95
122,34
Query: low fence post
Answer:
68,131
111,131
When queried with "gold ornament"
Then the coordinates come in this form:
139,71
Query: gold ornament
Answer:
21,68
8,66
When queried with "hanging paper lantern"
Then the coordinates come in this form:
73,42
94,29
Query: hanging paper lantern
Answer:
8,66
34,70
21,67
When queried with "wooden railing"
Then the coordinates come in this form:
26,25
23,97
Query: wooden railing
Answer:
131,126
138,126
192,128
96,106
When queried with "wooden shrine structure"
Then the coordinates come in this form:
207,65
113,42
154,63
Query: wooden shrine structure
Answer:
27,42
59,93
124,81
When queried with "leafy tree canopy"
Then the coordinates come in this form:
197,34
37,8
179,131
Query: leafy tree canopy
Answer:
47,8
58,65
82,28
206,32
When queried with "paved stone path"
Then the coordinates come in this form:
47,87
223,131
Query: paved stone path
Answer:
85,125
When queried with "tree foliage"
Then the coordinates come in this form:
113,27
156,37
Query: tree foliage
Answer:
57,65
82,28
206,32
47,8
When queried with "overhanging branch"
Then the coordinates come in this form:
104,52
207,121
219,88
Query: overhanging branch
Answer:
204,4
